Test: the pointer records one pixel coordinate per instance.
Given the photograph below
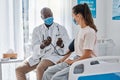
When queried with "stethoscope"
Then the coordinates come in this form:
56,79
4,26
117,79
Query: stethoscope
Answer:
54,46
58,31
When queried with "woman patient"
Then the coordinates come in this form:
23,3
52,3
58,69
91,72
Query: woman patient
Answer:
85,42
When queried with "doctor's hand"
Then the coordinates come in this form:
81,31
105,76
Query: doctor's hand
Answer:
46,42
69,61
60,43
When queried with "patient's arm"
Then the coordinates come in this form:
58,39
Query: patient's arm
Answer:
86,54
65,57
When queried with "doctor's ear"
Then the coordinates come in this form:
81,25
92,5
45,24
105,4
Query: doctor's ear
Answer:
42,17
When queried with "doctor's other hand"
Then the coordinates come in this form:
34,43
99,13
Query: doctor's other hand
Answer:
46,42
49,40
60,43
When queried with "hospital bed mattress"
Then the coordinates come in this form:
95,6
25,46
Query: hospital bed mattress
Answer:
98,68
108,76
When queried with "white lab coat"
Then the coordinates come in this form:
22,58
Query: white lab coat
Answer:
40,33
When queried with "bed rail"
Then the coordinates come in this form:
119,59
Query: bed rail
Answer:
94,66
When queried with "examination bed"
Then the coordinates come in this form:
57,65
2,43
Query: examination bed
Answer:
98,68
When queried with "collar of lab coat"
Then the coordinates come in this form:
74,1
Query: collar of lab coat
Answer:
49,26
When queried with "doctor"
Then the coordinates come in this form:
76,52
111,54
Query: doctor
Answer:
49,42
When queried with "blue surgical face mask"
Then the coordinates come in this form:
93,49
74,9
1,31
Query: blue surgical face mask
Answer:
75,21
48,21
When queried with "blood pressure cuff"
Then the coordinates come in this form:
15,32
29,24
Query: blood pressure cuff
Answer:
71,46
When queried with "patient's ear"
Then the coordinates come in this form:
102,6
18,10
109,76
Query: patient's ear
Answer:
79,16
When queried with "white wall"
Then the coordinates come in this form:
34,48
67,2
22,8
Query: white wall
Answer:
113,28
100,19
3,23
107,28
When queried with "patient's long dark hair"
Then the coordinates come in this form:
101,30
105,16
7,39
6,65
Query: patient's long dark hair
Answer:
84,10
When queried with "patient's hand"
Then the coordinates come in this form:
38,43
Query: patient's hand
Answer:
61,60
69,61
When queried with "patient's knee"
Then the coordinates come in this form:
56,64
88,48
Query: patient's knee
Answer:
40,68
47,72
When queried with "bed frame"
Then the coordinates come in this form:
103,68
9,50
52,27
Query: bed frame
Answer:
98,68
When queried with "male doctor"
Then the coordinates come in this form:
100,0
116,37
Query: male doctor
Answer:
49,42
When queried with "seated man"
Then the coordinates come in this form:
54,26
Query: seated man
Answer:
49,43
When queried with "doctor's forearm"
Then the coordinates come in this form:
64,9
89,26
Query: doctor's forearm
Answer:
66,55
